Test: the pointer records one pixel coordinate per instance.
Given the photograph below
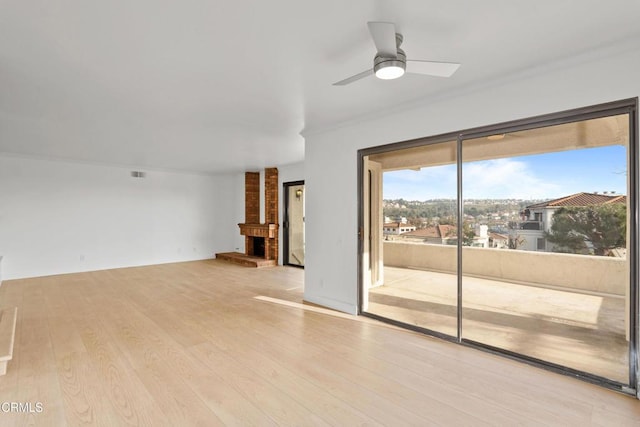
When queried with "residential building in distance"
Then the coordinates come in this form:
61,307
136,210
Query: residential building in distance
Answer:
397,228
436,234
481,237
529,233
498,240
445,234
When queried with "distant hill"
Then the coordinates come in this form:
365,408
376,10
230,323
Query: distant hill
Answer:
446,208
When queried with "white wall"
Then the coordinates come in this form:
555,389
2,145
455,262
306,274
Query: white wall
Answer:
58,217
238,239
331,155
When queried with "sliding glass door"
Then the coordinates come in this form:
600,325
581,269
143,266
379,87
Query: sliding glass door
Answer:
520,239
417,221
545,271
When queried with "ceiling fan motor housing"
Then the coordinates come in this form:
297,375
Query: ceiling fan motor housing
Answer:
382,62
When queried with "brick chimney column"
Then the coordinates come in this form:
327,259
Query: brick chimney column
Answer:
271,208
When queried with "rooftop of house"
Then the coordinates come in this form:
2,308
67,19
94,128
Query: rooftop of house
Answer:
498,236
581,199
438,231
397,224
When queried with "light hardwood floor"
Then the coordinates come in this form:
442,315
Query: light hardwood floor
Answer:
211,343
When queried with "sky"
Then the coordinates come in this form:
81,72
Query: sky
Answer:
541,176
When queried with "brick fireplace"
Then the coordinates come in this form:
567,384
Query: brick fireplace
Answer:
260,239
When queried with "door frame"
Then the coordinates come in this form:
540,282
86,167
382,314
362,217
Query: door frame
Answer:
285,222
625,106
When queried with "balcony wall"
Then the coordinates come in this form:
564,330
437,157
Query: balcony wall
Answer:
580,272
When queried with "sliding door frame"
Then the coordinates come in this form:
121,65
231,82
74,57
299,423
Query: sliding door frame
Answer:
286,223
362,232
626,106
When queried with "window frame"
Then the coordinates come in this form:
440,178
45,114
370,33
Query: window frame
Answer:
626,106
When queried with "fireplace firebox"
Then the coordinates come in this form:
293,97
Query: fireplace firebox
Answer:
256,246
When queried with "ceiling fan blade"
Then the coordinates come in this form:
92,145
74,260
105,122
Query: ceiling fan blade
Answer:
384,37
352,79
432,68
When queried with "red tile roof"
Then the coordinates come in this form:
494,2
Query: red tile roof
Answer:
447,230
498,236
581,199
423,232
438,231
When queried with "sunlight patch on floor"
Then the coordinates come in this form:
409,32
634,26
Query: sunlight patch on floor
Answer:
305,307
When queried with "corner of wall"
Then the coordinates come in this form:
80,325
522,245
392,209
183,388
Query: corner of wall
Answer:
333,304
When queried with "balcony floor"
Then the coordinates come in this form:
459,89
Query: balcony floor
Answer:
576,330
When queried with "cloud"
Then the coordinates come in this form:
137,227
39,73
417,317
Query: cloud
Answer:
505,179
488,179
437,182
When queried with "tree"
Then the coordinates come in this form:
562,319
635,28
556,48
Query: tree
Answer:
516,241
448,220
467,234
597,228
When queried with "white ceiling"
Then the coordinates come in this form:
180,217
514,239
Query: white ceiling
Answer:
219,86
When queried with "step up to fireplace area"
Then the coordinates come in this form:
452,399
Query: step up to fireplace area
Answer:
246,260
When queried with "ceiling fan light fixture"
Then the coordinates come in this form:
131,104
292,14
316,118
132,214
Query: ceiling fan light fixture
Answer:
389,70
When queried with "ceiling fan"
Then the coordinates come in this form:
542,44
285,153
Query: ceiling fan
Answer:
391,62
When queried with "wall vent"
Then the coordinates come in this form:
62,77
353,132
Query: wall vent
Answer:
138,174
